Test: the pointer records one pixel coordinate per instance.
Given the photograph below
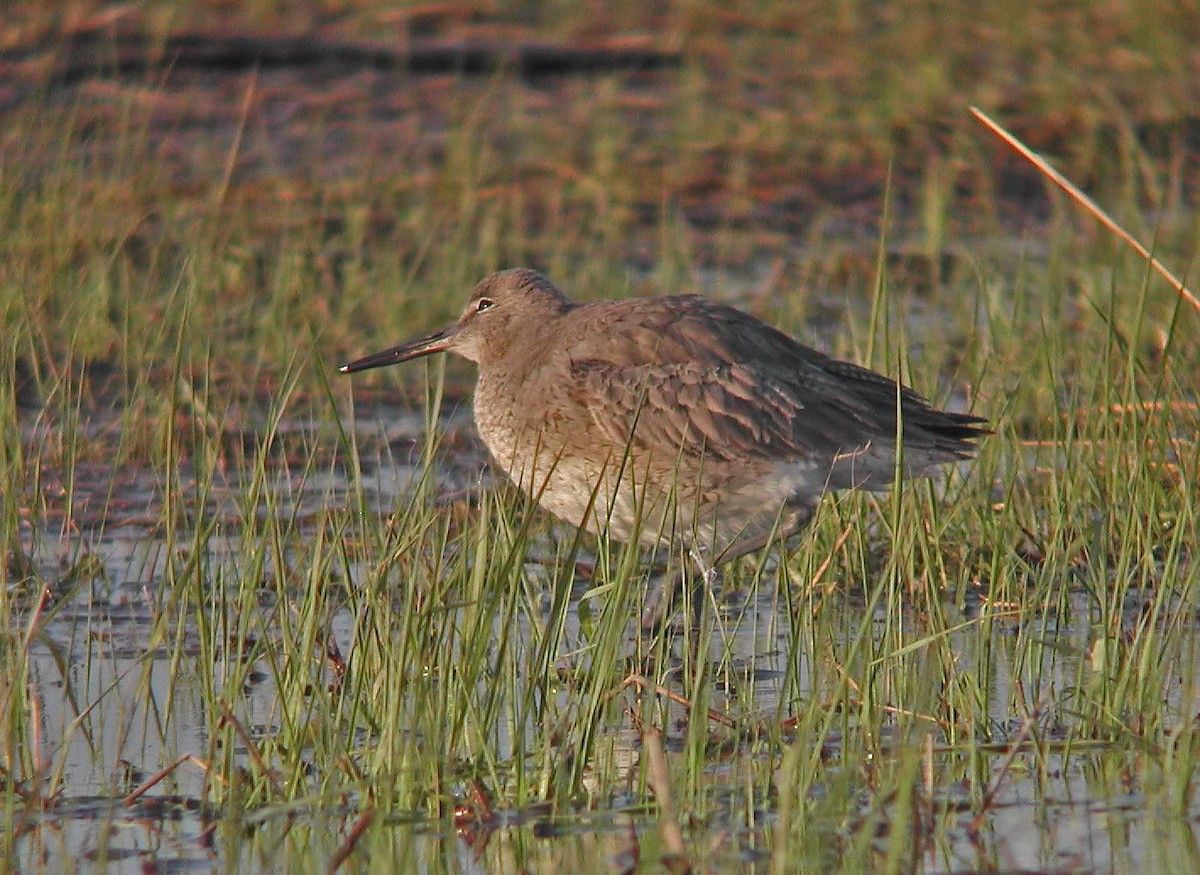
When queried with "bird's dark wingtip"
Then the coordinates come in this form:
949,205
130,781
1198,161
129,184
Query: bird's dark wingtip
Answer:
955,434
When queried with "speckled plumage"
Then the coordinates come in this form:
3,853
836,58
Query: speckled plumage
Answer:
677,418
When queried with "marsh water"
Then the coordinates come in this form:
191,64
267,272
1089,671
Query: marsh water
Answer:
100,693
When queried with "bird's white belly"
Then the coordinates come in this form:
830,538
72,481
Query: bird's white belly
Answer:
617,499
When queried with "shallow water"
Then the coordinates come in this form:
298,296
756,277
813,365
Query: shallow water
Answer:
100,689
92,658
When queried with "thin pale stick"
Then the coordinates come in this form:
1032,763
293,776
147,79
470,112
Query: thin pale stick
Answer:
1090,205
658,777
644,683
161,774
364,820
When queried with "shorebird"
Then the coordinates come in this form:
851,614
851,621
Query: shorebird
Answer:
678,420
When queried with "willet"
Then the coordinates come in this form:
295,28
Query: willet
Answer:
677,420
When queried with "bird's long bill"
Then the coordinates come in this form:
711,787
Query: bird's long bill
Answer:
436,342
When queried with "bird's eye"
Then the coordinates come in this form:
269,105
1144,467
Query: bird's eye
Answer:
484,304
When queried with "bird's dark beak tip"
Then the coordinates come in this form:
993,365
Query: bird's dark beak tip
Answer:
439,341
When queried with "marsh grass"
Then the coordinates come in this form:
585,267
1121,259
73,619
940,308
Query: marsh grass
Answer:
202,572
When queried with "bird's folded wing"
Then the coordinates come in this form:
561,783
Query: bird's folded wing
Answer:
725,411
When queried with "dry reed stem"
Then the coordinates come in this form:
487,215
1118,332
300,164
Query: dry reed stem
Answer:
228,719
346,848
162,773
1015,748
675,859
1088,204
644,683
828,560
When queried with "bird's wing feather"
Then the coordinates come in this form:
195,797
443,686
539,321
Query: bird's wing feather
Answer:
701,378
728,411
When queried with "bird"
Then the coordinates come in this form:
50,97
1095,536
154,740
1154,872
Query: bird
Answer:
678,420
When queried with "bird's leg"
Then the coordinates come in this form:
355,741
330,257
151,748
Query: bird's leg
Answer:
792,522
658,601
662,591
706,569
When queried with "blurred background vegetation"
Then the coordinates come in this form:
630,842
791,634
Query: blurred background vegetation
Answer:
308,164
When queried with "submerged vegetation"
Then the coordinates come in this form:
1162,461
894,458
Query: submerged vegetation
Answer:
251,617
